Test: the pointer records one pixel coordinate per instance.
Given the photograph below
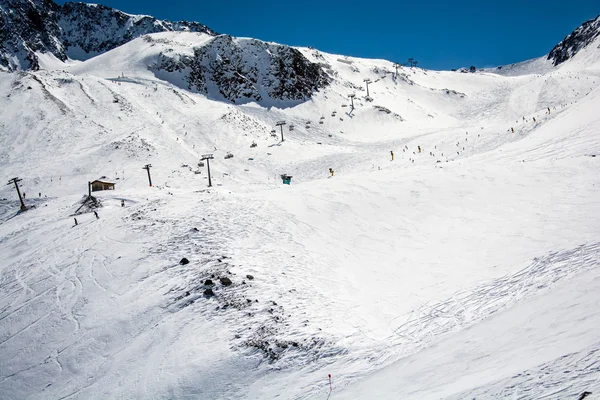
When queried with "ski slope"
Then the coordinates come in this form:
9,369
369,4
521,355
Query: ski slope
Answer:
466,270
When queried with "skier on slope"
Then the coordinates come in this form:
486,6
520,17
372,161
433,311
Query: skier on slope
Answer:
392,153
419,148
331,171
96,214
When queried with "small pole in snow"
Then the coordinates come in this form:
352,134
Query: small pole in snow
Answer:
281,124
352,96
367,81
396,65
207,158
147,168
16,181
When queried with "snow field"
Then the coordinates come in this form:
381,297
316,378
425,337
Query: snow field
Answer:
463,278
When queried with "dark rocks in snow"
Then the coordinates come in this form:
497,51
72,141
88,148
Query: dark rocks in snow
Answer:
208,282
184,261
209,292
574,42
250,277
225,281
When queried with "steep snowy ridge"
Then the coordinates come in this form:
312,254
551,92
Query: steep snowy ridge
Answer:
466,266
579,39
75,30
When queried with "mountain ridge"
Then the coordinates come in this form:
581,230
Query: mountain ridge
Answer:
72,31
574,42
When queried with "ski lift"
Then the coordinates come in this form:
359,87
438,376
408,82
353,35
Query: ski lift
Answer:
228,155
201,164
253,144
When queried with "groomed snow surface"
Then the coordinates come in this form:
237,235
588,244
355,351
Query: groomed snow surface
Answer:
467,270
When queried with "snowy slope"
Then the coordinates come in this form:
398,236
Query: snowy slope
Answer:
468,269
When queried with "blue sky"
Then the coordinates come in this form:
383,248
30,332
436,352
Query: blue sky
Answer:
439,34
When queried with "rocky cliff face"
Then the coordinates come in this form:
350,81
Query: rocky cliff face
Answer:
27,27
246,70
577,40
75,30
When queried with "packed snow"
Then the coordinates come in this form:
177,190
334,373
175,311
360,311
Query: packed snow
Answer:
464,267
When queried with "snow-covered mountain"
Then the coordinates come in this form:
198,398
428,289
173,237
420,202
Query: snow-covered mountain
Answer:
241,69
75,30
576,41
463,266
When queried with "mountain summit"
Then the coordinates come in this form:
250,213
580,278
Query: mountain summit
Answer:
575,41
75,30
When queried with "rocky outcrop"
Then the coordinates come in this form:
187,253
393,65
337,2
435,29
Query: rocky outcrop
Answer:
25,28
577,40
75,30
247,70
96,29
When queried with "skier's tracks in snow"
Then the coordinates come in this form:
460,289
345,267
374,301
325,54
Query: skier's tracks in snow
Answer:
468,307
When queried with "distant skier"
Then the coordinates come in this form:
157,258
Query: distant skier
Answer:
331,171
96,214
122,203
40,194
512,130
419,148
75,221
534,119
392,153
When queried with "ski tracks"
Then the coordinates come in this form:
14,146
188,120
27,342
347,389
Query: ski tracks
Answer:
467,307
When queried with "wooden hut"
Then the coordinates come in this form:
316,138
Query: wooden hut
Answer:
102,185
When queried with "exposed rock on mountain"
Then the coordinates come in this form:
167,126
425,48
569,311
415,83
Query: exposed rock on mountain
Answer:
247,69
75,30
574,42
